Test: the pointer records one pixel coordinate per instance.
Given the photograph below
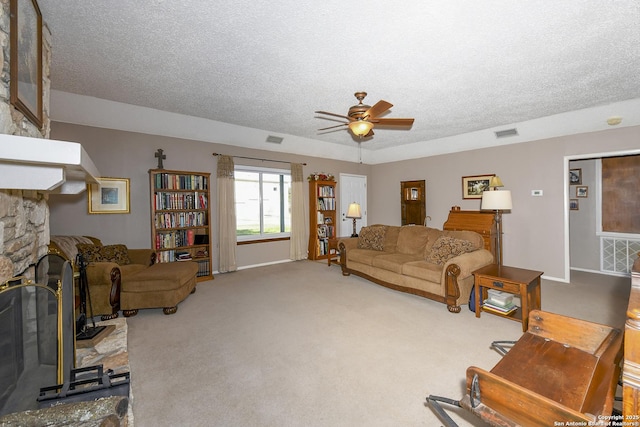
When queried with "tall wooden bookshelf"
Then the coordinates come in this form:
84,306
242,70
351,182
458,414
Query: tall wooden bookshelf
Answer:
181,218
322,217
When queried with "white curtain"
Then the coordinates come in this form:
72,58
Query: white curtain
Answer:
226,215
298,239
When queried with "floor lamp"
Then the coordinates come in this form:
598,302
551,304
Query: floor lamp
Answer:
498,201
354,212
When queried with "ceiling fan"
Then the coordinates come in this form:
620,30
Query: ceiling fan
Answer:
362,118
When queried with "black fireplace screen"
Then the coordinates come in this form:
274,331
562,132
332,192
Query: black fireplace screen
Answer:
36,333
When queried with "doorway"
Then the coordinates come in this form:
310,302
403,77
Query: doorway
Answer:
352,188
580,194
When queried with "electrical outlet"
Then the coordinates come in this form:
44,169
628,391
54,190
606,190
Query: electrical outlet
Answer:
536,193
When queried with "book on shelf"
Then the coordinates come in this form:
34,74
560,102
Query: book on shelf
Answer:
497,308
183,256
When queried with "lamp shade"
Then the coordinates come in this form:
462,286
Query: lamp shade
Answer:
496,200
354,211
495,181
360,127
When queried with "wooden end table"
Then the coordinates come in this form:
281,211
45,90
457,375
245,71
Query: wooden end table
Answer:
333,257
518,281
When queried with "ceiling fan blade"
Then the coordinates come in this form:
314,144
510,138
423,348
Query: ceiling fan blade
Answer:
393,122
336,115
379,108
333,127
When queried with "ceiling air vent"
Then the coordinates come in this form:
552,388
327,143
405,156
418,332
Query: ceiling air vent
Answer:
507,132
274,139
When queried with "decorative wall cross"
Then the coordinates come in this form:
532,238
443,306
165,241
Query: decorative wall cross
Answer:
160,157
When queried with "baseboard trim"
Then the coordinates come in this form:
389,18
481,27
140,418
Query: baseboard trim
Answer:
606,273
259,265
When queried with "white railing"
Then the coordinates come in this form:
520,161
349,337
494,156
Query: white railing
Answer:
617,254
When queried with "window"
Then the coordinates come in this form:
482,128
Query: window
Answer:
263,203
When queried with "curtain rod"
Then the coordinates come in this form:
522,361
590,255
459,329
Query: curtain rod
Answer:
256,158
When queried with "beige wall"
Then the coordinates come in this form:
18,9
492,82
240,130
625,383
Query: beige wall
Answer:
130,155
535,230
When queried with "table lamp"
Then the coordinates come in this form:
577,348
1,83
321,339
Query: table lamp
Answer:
354,212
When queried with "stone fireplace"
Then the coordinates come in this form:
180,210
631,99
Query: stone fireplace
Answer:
24,214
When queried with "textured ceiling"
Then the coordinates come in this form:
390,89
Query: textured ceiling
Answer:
455,66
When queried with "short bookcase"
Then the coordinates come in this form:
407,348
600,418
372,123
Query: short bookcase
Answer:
181,218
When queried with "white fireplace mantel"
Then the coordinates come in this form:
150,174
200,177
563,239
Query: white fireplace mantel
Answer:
44,164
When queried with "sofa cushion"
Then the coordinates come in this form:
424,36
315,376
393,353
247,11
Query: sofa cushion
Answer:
412,239
393,262
90,252
108,253
372,237
446,248
432,236
423,270
132,269
391,238
116,253
363,256
475,238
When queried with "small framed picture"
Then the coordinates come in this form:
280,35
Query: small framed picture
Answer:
575,176
322,231
582,191
473,186
573,204
109,195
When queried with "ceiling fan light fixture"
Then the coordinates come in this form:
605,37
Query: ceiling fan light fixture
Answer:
360,127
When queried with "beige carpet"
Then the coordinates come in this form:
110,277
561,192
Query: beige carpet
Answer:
298,344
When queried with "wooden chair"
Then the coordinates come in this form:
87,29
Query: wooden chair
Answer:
562,369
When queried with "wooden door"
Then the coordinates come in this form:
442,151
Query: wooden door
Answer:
413,202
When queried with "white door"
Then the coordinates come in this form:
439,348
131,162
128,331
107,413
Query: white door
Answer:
352,188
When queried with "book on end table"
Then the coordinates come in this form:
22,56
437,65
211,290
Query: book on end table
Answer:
505,310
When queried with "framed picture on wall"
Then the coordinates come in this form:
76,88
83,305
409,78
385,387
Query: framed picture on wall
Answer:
582,191
473,186
573,204
109,195
575,176
25,84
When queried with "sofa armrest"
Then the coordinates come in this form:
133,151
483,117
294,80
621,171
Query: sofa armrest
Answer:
105,282
142,256
469,262
99,273
349,242
459,270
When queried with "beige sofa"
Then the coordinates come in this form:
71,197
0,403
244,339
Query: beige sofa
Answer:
416,259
